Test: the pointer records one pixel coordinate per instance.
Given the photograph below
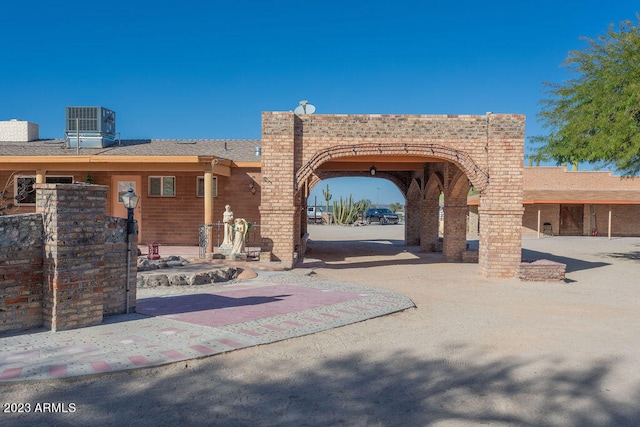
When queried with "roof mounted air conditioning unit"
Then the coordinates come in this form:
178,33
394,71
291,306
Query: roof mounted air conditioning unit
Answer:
92,127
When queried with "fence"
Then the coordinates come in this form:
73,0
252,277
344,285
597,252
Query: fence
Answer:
216,231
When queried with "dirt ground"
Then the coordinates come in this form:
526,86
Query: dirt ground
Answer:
473,351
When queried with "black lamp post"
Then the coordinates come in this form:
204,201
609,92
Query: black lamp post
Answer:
130,200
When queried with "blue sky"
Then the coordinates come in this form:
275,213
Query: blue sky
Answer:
207,69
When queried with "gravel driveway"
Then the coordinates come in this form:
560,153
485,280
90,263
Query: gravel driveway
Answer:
474,351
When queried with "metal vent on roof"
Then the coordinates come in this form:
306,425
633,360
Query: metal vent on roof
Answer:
90,127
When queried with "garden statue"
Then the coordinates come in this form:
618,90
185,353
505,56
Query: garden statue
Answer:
240,234
227,219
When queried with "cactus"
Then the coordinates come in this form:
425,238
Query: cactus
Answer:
345,212
327,197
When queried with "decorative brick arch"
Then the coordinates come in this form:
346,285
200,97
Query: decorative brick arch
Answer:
487,149
476,174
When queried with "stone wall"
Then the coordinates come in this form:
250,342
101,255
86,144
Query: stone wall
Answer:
20,272
115,260
65,266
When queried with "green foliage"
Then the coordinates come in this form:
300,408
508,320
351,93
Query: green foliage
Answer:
345,211
327,197
363,205
395,207
595,117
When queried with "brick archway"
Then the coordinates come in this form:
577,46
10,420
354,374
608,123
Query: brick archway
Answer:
487,151
476,174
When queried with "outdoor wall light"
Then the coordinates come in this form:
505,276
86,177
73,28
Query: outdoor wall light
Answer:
372,170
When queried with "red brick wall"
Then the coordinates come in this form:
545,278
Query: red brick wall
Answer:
548,213
20,272
625,219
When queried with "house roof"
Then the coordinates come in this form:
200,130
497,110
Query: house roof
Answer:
606,197
592,197
236,150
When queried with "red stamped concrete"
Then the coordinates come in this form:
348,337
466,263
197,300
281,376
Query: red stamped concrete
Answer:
225,308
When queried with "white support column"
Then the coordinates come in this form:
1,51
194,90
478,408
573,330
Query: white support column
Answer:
208,209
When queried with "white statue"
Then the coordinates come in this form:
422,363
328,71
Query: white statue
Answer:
240,233
227,219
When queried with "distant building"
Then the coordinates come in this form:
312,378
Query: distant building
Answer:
575,203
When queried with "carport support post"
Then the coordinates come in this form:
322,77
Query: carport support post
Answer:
279,212
208,209
455,229
501,207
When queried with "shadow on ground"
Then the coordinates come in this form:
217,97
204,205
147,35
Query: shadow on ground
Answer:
332,254
174,304
631,256
349,390
573,264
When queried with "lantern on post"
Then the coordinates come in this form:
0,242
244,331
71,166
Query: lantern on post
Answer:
130,200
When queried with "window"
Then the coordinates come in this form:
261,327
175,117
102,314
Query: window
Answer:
200,186
162,186
24,187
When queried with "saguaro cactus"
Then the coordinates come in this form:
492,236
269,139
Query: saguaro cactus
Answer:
327,197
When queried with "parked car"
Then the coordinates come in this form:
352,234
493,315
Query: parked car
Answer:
381,215
314,213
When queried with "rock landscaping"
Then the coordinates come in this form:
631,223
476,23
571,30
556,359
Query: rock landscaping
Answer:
178,271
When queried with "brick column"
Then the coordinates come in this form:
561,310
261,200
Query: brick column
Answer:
278,214
501,206
430,222
413,216
500,251
73,268
455,229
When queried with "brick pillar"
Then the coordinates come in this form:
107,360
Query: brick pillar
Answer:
500,251
279,216
501,208
73,268
455,229
430,222
413,216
